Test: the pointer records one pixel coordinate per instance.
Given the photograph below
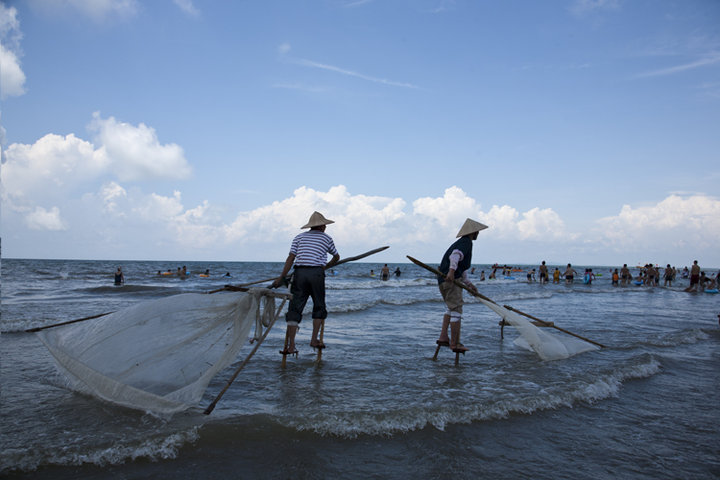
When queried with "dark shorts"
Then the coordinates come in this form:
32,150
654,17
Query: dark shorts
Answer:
694,279
307,282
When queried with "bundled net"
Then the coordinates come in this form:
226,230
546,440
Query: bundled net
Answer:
159,355
546,345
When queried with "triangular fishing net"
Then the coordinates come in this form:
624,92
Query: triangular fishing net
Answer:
158,355
546,345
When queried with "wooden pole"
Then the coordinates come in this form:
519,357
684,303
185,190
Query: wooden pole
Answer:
479,295
37,329
322,333
211,407
340,262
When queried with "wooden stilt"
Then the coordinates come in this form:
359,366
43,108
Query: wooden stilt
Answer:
321,347
447,344
439,345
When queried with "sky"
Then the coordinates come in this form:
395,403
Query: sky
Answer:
579,131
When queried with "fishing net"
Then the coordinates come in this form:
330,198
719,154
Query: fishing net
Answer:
159,355
545,344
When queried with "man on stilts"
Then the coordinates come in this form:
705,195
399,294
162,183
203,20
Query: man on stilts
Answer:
308,252
455,264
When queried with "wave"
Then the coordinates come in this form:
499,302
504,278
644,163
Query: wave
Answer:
129,289
389,423
153,449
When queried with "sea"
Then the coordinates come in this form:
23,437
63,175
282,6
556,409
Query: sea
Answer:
647,406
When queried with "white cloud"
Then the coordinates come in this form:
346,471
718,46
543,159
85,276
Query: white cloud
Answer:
57,169
707,59
451,210
42,219
50,168
675,221
97,10
136,152
187,7
350,73
283,48
159,208
12,77
110,194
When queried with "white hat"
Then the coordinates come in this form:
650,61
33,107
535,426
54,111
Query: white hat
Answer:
316,220
470,226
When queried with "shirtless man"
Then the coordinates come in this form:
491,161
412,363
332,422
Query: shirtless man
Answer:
668,275
625,276
694,277
543,272
569,274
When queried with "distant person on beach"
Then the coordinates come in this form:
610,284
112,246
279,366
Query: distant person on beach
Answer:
455,264
385,272
694,277
308,252
482,275
625,276
119,277
668,275
543,272
372,273
556,275
397,272
650,274
569,274
615,277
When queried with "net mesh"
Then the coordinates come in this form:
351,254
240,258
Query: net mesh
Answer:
545,344
159,355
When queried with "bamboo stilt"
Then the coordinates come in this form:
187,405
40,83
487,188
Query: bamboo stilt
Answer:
321,348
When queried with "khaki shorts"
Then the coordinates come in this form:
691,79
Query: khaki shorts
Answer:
452,294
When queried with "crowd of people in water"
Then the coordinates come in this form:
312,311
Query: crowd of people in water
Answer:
647,275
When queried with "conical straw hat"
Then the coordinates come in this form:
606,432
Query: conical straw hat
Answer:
470,226
316,220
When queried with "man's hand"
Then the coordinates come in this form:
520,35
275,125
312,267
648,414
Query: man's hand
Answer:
450,277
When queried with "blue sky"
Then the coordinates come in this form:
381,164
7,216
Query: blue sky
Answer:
583,131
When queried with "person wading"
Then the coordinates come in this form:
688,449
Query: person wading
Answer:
308,252
455,264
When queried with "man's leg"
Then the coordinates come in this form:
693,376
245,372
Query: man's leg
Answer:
455,344
314,341
444,332
290,335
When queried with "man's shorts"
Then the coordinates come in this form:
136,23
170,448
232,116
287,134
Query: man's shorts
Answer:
452,295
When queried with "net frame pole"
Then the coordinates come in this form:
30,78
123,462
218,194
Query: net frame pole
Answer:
211,407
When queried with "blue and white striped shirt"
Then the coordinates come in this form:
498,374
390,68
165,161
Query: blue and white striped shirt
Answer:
311,248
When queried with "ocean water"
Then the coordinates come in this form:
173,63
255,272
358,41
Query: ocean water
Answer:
377,405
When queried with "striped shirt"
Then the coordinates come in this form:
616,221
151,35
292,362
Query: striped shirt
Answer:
311,248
